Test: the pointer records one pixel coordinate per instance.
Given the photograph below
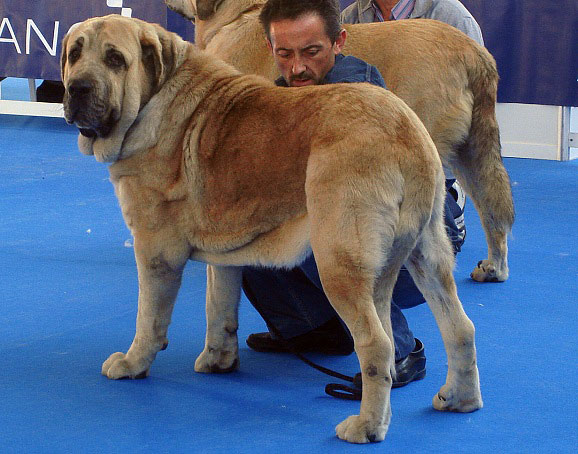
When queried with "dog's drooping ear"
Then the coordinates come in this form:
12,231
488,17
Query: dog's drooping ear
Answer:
63,50
206,8
158,53
63,56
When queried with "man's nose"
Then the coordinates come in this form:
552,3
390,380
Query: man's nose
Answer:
298,65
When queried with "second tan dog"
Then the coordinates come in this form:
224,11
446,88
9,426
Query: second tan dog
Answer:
445,77
212,165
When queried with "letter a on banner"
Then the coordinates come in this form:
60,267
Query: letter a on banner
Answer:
6,23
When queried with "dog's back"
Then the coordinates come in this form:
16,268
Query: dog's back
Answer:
444,76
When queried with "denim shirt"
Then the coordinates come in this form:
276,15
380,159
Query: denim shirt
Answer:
348,69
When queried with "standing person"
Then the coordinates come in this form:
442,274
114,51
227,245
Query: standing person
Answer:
306,38
451,12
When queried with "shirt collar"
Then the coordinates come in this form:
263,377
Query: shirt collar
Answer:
328,76
401,10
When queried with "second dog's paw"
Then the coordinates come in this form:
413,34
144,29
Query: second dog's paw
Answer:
117,366
486,271
464,401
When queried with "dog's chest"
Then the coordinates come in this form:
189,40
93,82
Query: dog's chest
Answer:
143,208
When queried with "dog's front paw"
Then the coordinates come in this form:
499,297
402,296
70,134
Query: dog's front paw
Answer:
213,361
356,430
118,366
487,271
462,401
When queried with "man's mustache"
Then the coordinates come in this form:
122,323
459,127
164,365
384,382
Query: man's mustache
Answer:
305,75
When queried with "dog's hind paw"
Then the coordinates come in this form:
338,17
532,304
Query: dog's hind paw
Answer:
117,366
487,271
356,430
213,361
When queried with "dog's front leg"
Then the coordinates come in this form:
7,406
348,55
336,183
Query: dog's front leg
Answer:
159,275
221,353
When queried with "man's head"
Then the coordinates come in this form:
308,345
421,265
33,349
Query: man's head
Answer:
304,37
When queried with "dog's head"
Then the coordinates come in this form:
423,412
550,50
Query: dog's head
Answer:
186,8
111,67
205,9
193,9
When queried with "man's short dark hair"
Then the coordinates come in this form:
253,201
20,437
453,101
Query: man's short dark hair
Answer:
328,10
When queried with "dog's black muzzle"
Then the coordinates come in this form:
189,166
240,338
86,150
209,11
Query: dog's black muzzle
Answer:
85,106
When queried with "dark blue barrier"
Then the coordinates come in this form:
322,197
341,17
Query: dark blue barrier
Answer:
31,31
535,43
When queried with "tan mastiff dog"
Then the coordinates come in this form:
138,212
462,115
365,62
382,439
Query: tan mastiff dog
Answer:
212,165
445,77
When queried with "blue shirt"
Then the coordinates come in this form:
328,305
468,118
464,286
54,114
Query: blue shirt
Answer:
348,69
401,10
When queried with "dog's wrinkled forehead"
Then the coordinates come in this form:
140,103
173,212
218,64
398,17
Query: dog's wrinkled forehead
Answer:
100,35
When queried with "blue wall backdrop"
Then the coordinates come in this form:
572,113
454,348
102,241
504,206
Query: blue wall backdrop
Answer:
535,43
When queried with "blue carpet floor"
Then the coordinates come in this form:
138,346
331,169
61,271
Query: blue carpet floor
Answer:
69,289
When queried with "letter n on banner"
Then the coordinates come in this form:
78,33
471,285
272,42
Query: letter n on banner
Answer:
30,25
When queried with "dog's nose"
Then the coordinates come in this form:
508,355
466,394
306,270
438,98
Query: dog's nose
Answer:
80,87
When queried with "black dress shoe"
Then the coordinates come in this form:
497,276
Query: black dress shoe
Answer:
410,368
329,339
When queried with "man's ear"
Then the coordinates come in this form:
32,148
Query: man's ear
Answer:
340,41
269,45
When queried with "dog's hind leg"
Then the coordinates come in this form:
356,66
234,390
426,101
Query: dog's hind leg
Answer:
385,284
477,164
221,353
348,239
484,178
348,283
431,266
159,275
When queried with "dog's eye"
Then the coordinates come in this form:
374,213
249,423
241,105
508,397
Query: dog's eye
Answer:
114,59
73,55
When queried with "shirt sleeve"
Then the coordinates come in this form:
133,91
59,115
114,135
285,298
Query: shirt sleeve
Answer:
375,77
349,15
471,28
456,15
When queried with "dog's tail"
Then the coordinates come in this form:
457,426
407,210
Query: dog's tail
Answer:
479,161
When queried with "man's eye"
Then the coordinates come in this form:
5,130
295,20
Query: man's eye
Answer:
312,52
283,54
